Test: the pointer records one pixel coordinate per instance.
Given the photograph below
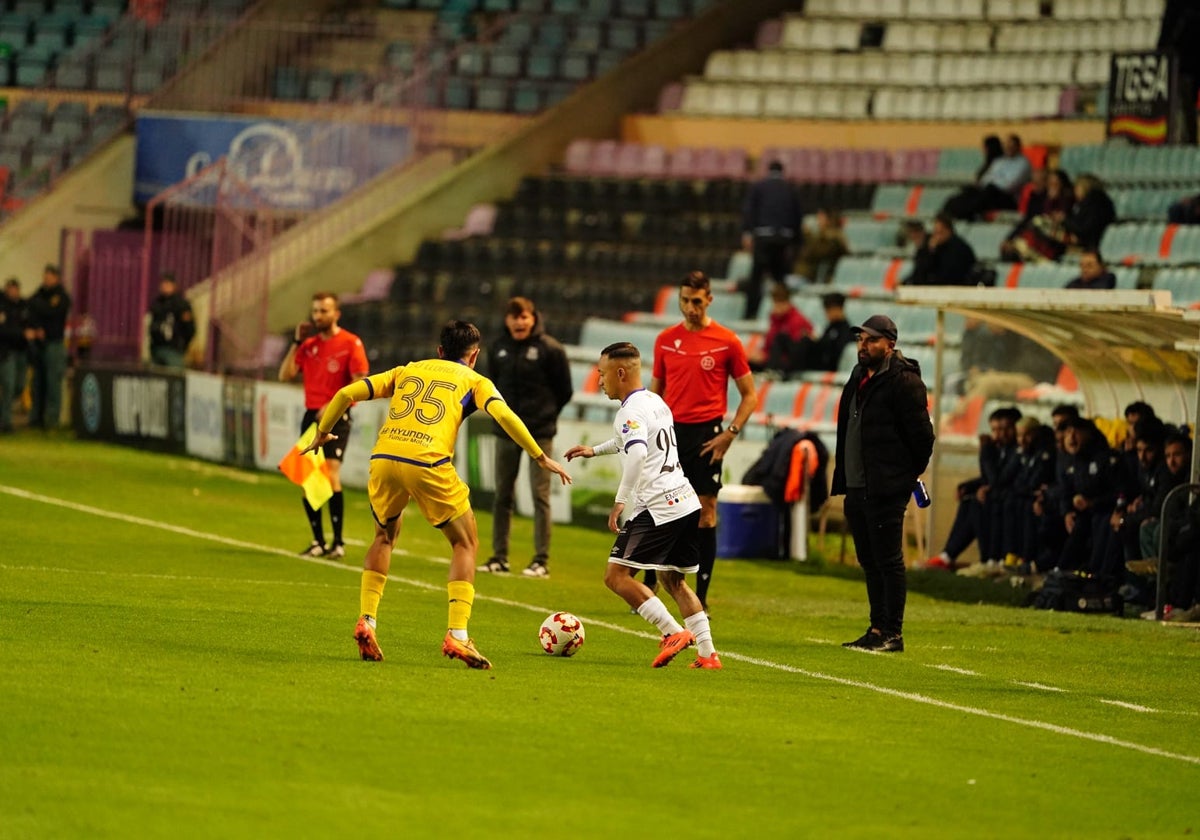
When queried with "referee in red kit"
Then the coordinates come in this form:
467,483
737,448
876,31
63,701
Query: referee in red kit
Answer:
693,362
328,357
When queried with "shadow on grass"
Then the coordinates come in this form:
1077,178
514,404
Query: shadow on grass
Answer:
941,585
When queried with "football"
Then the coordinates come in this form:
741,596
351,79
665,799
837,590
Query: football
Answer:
561,634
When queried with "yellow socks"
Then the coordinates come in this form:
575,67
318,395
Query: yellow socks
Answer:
462,595
370,593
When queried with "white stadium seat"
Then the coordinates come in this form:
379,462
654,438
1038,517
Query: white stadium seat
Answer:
720,65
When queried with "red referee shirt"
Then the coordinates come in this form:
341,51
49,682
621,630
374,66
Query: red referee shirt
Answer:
695,368
329,364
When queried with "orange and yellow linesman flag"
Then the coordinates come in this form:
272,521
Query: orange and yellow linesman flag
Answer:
308,470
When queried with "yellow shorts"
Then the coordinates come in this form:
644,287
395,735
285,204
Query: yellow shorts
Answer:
440,494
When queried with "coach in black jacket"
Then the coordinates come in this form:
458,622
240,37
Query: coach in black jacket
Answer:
530,370
884,441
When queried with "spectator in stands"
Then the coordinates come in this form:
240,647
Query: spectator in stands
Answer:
1091,214
826,352
772,228
1092,273
945,258
982,500
1179,33
1186,211
1039,233
822,248
993,150
530,369
787,328
47,310
998,188
12,350
172,325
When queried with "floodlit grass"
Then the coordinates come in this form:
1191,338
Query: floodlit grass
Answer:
170,669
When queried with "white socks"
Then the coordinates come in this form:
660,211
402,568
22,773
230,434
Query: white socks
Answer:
655,611
698,625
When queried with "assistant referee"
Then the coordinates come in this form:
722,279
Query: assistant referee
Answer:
693,363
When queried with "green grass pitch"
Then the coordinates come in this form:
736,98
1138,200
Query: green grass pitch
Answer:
169,668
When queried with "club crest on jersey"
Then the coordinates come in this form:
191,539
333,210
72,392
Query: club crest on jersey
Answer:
332,366
630,426
708,362
677,343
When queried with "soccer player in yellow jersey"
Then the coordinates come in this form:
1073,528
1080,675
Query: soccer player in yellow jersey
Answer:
413,459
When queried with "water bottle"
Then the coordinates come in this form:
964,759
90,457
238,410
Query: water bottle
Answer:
921,495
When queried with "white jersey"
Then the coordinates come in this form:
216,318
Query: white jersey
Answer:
662,488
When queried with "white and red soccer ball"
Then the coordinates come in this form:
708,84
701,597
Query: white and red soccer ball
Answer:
561,634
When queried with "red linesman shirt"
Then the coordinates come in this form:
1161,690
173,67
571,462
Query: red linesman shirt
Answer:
695,368
329,364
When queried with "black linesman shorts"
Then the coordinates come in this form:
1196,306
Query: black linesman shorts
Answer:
671,546
336,447
704,475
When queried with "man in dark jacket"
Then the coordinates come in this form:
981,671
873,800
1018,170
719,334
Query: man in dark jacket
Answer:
530,370
884,441
945,258
772,222
48,308
1093,274
172,325
12,350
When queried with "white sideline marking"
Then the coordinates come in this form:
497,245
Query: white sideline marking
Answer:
727,655
964,671
1132,706
1039,686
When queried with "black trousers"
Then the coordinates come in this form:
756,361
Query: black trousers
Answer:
877,525
772,255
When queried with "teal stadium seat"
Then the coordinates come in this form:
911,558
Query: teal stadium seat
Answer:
890,199
958,164
869,235
1182,283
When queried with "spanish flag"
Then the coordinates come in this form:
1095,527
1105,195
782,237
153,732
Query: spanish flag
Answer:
309,470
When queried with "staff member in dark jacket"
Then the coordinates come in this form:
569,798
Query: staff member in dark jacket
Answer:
884,441
12,349
530,370
172,325
48,308
772,225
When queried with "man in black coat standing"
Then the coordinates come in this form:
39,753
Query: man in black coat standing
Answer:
884,442
530,370
772,227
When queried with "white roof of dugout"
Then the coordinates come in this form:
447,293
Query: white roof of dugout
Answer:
1121,345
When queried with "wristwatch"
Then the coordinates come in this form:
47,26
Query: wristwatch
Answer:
734,429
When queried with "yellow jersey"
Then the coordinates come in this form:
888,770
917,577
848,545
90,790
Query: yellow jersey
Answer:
428,402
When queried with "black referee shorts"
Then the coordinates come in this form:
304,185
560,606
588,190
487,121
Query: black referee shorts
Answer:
336,447
705,475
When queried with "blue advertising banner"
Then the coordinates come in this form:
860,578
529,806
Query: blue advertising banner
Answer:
289,164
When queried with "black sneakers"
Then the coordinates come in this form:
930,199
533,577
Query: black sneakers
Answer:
876,641
871,640
892,644
495,566
536,570
316,549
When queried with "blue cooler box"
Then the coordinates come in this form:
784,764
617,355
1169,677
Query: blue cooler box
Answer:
747,522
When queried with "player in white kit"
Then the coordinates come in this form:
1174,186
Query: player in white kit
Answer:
664,512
